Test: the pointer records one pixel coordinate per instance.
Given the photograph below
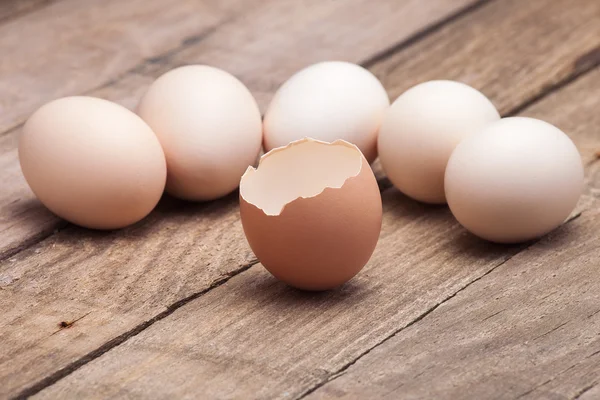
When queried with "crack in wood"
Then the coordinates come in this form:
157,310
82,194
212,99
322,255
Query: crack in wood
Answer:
533,389
80,362
593,354
551,330
398,47
594,313
345,367
581,67
163,59
32,241
26,10
493,315
583,390
420,317
68,324
593,160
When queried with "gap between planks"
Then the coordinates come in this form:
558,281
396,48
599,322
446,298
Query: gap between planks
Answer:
180,303
333,376
384,184
171,58
13,9
75,365
163,59
584,64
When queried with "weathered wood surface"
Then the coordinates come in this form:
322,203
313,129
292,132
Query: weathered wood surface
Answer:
13,8
512,50
275,339
261,46
128,278
253,337
529,329
70,47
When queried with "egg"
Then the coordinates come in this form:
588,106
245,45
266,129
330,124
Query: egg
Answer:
328,101
421,129
311,212
92,162
209,126
516,180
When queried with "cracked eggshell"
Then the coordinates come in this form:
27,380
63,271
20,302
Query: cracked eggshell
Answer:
312,212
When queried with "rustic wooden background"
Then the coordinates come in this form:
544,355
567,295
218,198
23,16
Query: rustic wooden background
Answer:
177,306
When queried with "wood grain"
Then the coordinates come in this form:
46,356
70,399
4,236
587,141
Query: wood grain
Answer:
70,46
14,8
123,281
257,46
540,62
255,338
119,280
528,330
296,34
510,50
589,392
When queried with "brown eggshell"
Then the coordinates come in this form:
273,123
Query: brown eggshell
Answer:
319,242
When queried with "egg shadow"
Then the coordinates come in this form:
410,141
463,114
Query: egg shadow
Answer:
474,246
29,205
270,292
173,206
404,209
401,204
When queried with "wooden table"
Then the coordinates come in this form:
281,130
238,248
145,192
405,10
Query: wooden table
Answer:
177,306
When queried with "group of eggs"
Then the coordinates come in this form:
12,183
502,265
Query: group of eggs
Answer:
312,209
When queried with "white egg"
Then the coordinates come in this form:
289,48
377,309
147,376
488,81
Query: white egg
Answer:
328,101
516,180
209,126
421,129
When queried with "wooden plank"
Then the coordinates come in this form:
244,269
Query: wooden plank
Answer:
496,336
190,249
355,31
589,393
528,330
66,48
122,279
511,50
14,8
70,47
244,46
253,337
252,38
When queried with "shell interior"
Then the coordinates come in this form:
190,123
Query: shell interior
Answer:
301,169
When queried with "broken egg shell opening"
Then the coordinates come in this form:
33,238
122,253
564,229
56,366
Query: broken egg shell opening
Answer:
277,181
324,235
